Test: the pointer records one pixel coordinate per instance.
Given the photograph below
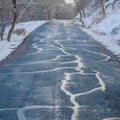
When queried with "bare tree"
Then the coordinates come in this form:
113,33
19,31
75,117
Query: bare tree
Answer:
13,20
2,21
81,3
22,12
2,26
79,10
103,8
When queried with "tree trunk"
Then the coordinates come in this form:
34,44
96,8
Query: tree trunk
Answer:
2,23
2,31
79,10
102,4
82,7
13,20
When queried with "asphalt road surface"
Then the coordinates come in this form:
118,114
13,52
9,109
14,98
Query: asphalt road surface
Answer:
60,73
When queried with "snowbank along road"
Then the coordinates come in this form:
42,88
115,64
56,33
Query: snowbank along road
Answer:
60,73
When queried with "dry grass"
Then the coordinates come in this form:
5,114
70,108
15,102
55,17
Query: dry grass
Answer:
20,31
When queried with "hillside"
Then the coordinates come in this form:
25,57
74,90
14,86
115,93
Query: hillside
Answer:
105,29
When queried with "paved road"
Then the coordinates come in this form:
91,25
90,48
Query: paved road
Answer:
60,73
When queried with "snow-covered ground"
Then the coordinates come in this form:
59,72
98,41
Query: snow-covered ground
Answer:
7,47
105,29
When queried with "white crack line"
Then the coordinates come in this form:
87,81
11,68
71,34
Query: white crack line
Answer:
112,118
48,61
35,46
54,60
65,82
76,105
101,82
107,56
44,71
8,109
72,96
57,57
63,50
20,112
66,54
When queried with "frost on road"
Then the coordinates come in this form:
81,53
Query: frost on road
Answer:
60,73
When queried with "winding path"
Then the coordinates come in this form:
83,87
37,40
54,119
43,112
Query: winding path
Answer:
60,73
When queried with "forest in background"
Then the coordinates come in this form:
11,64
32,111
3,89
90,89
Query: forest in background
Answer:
32,10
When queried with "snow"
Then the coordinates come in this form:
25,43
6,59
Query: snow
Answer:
108,24
6,48
105,29
107,41
69,1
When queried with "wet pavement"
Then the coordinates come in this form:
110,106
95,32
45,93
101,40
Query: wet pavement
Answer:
60,73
